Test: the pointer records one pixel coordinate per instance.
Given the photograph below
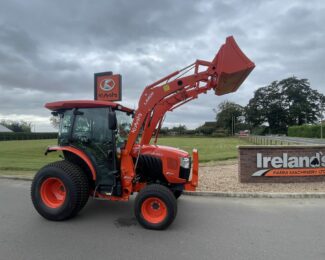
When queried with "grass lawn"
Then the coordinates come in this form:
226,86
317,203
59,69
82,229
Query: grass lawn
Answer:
209,148
25,155
17,157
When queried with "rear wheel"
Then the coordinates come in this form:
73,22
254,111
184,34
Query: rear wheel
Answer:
155,207
59,190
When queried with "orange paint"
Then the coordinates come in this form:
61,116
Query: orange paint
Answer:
192,184
154,210
295,172
77,152
53,192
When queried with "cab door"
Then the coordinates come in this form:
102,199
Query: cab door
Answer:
91,134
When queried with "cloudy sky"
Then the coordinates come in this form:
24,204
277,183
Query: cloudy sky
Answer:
49,50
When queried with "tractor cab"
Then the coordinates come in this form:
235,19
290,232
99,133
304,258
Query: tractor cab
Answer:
99,130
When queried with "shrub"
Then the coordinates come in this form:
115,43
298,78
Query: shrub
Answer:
309,131
27,136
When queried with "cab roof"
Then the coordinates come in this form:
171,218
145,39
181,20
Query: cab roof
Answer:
69,104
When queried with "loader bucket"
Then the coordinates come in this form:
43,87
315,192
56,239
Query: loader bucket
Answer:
232,67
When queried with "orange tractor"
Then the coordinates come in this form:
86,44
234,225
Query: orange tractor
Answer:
107,151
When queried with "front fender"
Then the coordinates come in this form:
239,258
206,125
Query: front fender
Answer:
77,152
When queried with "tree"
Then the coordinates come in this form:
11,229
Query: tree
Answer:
55,121
302,103
266,107
179,130
207,128
228,114
17,126
164,130
281,104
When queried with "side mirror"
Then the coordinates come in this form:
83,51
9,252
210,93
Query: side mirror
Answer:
112,122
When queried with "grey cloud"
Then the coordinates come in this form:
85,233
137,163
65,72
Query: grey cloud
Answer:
49,50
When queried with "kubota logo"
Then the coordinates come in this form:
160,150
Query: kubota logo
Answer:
148,97
136,123
286,165
107,84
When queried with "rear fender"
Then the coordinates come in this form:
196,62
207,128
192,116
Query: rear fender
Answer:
78,153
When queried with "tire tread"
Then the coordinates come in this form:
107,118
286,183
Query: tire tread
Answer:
80,183
156,190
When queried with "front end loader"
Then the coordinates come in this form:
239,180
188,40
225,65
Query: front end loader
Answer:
107,149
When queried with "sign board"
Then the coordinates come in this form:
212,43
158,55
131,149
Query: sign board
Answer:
107,87
281,163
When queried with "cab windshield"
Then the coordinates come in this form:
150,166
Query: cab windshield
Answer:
124,122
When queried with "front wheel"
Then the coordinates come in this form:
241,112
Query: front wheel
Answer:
155,207
59,190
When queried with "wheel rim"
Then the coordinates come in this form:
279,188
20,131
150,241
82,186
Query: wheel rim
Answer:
154,210
53,192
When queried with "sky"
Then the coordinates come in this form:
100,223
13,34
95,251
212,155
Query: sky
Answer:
50,50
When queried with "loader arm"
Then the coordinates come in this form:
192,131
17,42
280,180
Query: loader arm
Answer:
224,74
169,104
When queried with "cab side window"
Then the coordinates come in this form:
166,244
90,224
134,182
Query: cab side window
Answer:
92,125
65,126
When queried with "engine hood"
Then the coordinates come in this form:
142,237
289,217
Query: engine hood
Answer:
160,151
170,159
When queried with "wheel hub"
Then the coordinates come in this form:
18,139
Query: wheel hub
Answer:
155,205
154,210
53,192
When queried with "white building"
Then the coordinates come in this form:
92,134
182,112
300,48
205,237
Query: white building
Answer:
4,129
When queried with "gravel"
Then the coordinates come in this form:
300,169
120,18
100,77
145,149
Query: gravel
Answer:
223,177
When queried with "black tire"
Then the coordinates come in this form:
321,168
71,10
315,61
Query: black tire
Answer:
162,194
76,187
177,193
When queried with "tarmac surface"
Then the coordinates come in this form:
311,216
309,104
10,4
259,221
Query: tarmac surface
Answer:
205,228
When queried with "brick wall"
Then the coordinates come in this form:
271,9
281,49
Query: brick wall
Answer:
248,162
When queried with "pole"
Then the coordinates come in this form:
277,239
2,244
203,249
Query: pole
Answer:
321,125
232,125
321,129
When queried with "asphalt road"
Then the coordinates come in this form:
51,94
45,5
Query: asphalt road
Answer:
205,228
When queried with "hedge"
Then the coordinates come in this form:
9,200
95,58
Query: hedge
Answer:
310,131
27,136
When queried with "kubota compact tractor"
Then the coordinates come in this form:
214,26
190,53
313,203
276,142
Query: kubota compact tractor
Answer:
107,150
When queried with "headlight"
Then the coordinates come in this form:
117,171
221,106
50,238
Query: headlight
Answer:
185,162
